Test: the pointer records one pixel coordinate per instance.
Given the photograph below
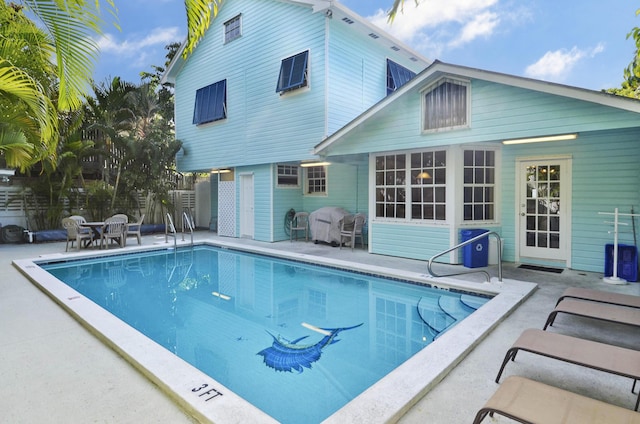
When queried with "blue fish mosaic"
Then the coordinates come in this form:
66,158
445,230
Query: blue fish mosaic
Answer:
284,355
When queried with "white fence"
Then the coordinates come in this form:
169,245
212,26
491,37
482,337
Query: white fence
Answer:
13,211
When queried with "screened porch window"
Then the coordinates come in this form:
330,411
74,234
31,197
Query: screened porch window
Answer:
293,72
479,185
211,103
397,76
412,186
446,105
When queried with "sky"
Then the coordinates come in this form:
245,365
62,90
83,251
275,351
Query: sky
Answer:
581,43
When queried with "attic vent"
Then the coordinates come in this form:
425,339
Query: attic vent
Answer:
395,48
413,59
347,20
374,36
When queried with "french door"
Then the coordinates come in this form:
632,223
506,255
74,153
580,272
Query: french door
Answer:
544,209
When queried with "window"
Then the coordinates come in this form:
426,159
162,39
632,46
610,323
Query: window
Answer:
316,182
479,185
211,103
232,29
293,72
288,176
446,105
397,76
423,194
428,185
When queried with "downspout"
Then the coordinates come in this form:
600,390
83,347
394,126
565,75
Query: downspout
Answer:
327,27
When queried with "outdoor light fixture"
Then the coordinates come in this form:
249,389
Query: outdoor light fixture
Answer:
541,139
220,171
221,296
309,164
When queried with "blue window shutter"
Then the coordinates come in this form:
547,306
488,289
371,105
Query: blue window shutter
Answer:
397,76
293,72
211,103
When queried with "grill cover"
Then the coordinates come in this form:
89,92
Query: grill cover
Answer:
325,224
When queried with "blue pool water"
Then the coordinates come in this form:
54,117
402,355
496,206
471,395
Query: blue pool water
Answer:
298,341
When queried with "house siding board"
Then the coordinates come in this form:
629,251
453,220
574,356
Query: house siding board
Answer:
247,137
605,175
409,241
498,112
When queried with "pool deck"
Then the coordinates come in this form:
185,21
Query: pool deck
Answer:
55,370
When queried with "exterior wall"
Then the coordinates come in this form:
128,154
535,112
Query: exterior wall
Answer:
261,126
498,112
413,241
606,175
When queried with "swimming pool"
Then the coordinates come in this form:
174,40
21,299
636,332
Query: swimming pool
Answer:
271,324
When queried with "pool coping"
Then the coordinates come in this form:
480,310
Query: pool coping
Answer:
208,401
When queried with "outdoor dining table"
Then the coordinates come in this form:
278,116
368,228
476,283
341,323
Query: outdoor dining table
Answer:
96,227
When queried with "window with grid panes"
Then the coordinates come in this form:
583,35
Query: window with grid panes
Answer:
479,185
391,186
232,29
288,176
316,181
428,195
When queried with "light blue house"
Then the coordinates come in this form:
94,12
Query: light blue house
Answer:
269,81
276,85
534,161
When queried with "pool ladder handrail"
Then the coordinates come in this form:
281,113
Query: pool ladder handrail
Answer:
170,230
188,220
465,243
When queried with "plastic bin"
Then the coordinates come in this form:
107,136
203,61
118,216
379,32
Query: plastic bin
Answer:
627,262
476,254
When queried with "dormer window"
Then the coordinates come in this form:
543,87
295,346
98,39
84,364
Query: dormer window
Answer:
211,103
293,72
232,29
397,76
446,105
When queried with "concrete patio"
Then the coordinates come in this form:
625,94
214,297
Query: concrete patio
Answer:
55,370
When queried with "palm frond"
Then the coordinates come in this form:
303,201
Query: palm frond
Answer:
199,16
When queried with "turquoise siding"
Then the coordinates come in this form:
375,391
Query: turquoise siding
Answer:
261,125
409,241
498,112
606,175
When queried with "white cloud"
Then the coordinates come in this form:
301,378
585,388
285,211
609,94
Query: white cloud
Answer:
134,47
557,65
433,24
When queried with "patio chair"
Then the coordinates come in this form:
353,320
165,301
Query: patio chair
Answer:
134,229
115,229
351,229
528,401
76,234
300,222
78,218
347,229
601,297
594,310
123,216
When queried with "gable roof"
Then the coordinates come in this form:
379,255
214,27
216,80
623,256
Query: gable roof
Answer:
438,69
333,10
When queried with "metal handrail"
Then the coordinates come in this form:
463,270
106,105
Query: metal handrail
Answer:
186,218
169,228
464,243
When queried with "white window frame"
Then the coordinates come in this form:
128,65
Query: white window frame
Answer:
430,89
307,177
404,180
229,34
475,186
286,167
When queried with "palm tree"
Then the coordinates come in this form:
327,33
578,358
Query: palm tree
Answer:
28,128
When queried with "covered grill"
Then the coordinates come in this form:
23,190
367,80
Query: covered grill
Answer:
325,224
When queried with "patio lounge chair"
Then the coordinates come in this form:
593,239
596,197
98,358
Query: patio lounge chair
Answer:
76,234
587,353
134,229
601,311
529,401
601,296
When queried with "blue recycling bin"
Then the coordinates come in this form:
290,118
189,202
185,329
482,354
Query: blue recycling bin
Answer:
627,262
476,254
